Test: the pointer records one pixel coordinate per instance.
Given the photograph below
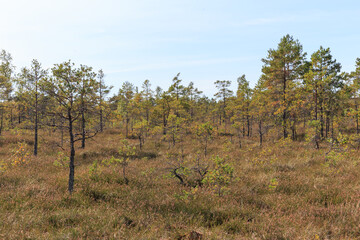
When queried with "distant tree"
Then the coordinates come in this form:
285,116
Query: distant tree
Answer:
103,90
175,129
243,100
260,109
204,132
6,73
223,94
147,98
191,96
29,80
140,128
355,77
87,96
126,94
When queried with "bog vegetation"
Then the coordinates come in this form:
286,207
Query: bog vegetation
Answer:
276,161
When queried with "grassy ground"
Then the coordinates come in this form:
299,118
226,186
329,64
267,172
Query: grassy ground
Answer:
286,190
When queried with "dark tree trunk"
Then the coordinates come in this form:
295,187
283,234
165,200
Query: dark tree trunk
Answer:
19,117
62,134
83,130
36,124
285,109
83,125
2,120
101,112
327,125
260,133
316,105
164,124
357,118
248,125
205,149
251,123
304,121
127,127
101,119
11,118
72,154
293,132
140,141
243,126
321,119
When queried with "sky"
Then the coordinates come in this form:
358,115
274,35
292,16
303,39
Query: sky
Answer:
204,40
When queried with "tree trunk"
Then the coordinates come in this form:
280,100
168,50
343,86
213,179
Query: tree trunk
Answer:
62,135
36,124
19,117
83,127
251,125
327,125
101,120
315,100
101,112
321,119
248,125
243,128
140,142
260,133
164,124
2,120
285,109
72,154
127,127
11,118
357,118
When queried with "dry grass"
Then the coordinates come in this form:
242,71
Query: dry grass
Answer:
282,191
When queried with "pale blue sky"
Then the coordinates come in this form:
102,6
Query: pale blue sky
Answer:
205,40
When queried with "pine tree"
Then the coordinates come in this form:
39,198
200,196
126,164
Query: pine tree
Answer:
323,82
223,94
29,80
282,68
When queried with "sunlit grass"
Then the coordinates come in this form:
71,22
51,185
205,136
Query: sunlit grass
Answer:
283,191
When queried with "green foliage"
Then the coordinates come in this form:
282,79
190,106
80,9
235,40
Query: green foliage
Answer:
273,184
94,170
204,132
220,176
186,196
282,67
265,157
61,160
3,166
6,73
338,150
20,154
312,134
126,151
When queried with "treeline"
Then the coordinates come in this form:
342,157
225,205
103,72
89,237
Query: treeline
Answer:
296,97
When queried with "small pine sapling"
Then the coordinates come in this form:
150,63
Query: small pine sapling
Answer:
220,176
126,151
204,133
